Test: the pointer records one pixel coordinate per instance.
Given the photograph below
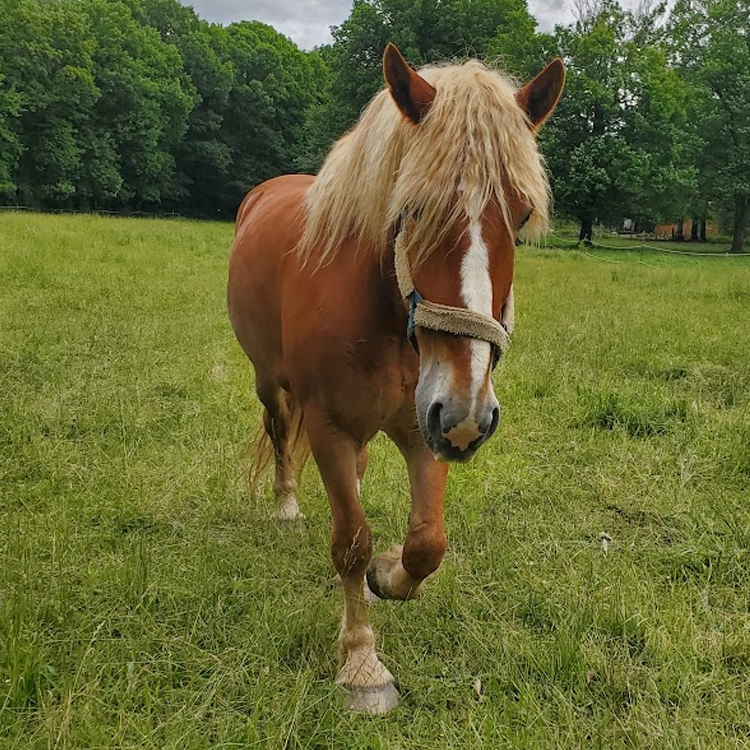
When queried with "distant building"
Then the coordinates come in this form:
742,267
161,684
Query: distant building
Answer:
687,230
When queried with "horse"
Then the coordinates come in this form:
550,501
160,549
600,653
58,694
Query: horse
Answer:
377,296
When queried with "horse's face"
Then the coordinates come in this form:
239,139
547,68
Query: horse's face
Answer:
473,269
456,405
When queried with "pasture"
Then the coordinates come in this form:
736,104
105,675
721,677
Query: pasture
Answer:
596,592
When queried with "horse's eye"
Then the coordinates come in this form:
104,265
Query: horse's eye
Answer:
526,218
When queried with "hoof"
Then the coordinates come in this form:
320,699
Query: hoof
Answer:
367,684
372,585
375,701
370,595
379,572
287,510
383,583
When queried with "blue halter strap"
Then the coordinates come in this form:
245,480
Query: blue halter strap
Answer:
414,299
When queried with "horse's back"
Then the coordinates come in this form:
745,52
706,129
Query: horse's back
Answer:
269,225
279,193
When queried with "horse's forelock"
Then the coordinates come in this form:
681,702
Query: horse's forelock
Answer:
474,145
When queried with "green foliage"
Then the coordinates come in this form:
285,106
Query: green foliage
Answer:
202,158
273,84
615,145
711,47
10,142
143,104
139,104
661,176
46,57
426,31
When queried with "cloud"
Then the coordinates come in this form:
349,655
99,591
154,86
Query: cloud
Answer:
308,22
550,12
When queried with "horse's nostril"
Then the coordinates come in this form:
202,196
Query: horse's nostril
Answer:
486,423
489,422
495,420
433,418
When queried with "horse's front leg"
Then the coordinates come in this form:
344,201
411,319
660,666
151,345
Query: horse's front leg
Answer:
368,685
400,572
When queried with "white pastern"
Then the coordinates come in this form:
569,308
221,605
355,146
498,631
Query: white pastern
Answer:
287,508
476,290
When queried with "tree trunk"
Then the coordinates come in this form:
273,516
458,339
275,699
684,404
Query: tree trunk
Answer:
585,235
679,234
694,229
703,229
741,215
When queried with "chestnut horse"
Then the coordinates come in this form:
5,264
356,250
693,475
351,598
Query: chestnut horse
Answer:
427,192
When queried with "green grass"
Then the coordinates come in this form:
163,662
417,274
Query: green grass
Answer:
146,601
565,235
564,239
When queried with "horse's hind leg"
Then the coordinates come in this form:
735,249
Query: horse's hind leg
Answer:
368,685
281,422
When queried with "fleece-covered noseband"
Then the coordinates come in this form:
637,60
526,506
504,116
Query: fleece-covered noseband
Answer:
455,320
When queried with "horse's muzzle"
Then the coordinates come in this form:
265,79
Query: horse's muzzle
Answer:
452,437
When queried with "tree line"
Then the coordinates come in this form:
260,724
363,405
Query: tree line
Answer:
140,105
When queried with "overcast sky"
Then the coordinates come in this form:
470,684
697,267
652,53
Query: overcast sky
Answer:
307,22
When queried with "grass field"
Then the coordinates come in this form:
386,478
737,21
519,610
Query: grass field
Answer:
596,593
640,245
565,236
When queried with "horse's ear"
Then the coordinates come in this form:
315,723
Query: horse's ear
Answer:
539,97
412,94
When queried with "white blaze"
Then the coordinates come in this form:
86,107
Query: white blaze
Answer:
476,290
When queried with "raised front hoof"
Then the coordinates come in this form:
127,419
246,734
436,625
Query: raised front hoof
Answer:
375,701
387,578
373,584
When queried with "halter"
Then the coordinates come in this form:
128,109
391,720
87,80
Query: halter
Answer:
458,321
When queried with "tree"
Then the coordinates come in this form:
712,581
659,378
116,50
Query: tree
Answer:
711,48
141,113
46,58
202,159
273,85
661,180
426,31
614,144
10,143
355,61
584,143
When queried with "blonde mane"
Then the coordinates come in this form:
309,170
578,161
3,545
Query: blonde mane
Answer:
473,145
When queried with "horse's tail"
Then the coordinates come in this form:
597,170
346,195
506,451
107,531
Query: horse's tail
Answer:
297,444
